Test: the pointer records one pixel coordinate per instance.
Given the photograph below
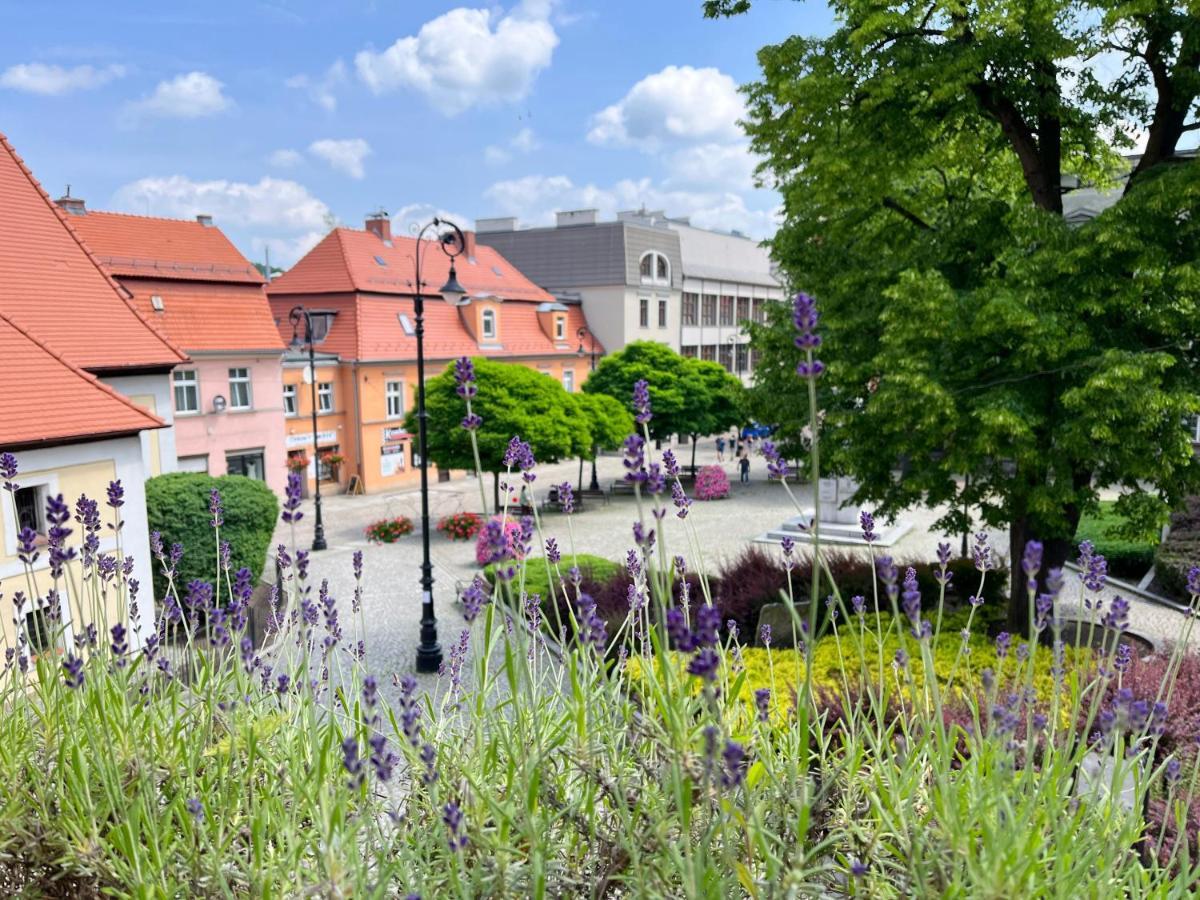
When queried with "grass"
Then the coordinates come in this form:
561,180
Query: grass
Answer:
1129,559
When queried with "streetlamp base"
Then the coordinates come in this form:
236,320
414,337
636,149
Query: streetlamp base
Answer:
429,657
319,539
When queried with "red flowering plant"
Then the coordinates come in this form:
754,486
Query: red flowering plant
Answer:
298,463
388,531
460,526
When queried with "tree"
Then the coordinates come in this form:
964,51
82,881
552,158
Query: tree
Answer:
688,396
514,401
969,330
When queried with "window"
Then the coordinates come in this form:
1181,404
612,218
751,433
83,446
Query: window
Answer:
709,352
644,311
758,311
30,503
239,388
326,469
560,328
708,310
727,357
289,400
688,350
569,380
743,309
488,320
248,463
321,323
194,463
395,399
662,312
739,365
726,310
39,631
325,397
654,268
187,391
690,304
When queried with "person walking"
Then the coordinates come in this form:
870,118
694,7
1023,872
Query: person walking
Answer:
720,448
744,467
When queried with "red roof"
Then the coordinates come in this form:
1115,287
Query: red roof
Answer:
54,289
49,401
369,285
201,317
147,247
350,260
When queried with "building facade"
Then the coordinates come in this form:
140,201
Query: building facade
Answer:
626,274
358,288
189,281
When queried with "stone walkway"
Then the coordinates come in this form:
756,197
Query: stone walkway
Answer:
722,529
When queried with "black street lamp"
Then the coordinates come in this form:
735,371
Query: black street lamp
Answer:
429,652
581,333
300,314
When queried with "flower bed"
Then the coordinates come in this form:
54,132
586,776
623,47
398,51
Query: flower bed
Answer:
388,531
460,526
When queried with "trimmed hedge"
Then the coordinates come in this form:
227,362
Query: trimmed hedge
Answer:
594,568
1180,551
1126,558
177,506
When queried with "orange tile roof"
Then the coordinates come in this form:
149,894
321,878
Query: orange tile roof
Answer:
349,260
52,286
201,316
150,247
49,401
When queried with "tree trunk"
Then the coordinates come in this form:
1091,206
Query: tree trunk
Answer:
580,489
1055,552
693,453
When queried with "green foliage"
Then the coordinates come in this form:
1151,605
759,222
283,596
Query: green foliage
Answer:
687,396
1177,555
609,421
1129,553
968,329
537,581
177,508
514,401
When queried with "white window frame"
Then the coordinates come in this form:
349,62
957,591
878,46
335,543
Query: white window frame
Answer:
568,380
560,328
324,393
487,324
239,380
393,390
178,383
291,400
643,312
655,258
663,313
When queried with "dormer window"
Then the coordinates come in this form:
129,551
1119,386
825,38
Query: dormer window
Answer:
488,324
655,269
560,328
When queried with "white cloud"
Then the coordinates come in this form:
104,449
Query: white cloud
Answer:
273,211
467,57
345,155
322,90
189,96
285,158
678,104
711,166
535,198
524,141
409,219
52,80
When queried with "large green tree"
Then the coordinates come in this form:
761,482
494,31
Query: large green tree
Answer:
922,152
514,401
687,396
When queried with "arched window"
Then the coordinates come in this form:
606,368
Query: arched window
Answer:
655,268
489,323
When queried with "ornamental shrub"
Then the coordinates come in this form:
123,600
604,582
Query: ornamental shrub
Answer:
1128,559
177,506
1180,551
388,531
460,526
711,483
595,569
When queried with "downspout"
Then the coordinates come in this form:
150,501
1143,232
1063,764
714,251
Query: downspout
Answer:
358,434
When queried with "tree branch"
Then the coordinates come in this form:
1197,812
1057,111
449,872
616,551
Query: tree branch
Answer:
896,207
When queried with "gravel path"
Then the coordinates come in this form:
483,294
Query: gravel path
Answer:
392,600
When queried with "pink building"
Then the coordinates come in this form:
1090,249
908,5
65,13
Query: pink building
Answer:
190,282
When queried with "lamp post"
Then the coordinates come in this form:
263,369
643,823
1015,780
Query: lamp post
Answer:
297,315
581,333
452,242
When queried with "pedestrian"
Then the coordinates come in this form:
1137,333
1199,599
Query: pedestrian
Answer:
744,467
720,448
741,449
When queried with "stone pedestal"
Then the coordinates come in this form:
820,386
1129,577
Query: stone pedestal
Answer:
839,519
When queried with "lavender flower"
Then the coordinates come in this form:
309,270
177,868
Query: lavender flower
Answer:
635,459
116,494
474,597
705,664
553,556
566,496
291,503
195,809
452,817
777,467
1172,770
641,401
1093,568
464,377
73,671
804,317
8,471
981,553
867,522
670,464
656,483
592,629
762,701
1193,581
681,500
120,646
1003,643
1031,562
734,758
1123,657
859,604
858,868
1117,617
216,508
764,634
901,659
383,760
471,422
352,763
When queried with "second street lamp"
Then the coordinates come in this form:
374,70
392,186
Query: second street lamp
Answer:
452,242
297,316
581,333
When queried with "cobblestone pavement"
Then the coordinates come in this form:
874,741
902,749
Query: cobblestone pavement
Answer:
392,599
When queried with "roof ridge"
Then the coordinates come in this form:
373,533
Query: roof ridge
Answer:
120,291
81,373
129,215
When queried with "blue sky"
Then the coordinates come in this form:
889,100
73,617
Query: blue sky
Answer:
277,117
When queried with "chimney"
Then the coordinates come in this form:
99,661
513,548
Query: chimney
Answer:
205,220
574,217
489,226
380,226
72,206
469,245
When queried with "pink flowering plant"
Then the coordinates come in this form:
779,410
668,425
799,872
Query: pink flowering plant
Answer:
712,483
205,745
